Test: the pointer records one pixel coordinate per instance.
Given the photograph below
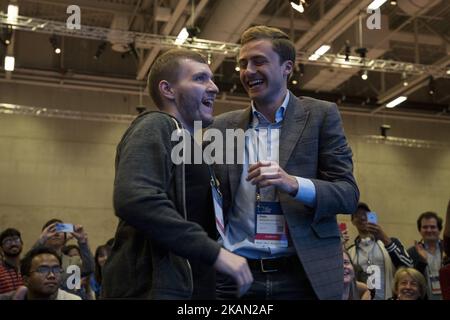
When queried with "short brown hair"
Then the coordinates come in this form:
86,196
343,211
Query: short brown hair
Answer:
429,215
281,43
166,67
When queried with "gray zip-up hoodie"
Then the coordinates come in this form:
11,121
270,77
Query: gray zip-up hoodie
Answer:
153,241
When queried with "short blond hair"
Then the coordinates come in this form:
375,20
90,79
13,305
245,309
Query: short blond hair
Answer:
413,273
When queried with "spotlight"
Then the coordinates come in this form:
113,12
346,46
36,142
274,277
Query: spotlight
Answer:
101,48
364,75
141,108
299,7
294,82
383,129
193,31
237,68
301,69
431,86
347,51
405,81
362,52
6,35
393,3
55,45
133,50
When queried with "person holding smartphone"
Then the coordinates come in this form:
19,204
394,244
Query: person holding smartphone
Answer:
55,235
376,254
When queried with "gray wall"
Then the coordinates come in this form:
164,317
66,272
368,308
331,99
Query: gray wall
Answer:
52,167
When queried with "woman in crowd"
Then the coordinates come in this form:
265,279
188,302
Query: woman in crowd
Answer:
101,255
409,284
353,290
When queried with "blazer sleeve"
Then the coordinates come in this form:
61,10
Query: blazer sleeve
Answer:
336,189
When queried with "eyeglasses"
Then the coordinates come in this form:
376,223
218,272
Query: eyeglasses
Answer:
45,270
9,241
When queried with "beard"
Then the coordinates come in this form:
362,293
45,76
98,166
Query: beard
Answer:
12,254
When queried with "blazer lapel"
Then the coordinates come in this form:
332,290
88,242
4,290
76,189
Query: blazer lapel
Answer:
294,123
235,171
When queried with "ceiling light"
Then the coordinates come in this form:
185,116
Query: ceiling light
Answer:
101,48
393,3
54,42
364,75
396,102
9,63
405,82
299,7
182,36
431,86
13,12
237,68
347,51
448,71
376,4
294,82
319,52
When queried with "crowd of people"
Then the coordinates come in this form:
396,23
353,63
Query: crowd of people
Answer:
262,228
51,269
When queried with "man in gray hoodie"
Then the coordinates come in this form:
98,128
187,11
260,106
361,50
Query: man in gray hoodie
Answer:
163,250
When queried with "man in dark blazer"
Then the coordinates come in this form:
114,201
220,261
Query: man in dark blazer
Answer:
292,244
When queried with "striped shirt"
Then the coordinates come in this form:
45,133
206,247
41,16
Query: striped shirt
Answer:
10,278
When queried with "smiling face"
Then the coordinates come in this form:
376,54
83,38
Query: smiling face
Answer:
262,74
12,246
408,288
349,271
429,229
194,93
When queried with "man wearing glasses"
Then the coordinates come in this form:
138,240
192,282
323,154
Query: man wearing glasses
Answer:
41,271
11,246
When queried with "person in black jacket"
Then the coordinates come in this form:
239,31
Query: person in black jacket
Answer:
377,254
427,254
161,249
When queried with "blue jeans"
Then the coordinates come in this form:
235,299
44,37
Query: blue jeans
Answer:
288,283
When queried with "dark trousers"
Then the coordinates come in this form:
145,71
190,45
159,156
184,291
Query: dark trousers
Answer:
280,279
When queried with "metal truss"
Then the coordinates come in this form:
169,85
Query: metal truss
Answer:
138,39
146,41
14,109
377,65
405,142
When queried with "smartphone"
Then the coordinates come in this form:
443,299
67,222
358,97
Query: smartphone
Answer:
342,226
372,217
64,227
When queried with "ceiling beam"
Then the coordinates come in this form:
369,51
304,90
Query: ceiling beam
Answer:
94,5
151,56
229,19
332,24
414,84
